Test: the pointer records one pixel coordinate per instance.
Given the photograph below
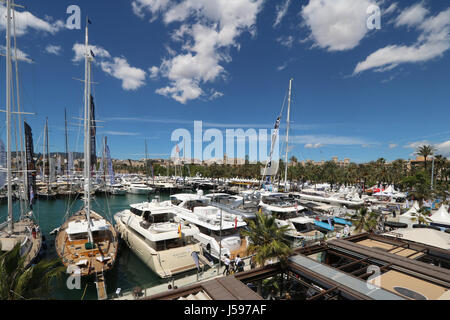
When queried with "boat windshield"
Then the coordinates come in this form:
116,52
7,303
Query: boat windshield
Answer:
171,243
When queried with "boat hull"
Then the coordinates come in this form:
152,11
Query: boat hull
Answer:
165,263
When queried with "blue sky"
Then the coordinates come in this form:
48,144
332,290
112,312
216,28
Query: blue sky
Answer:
161,64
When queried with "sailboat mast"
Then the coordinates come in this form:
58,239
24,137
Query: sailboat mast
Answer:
287,134
67,144
87,131
48,156
8,112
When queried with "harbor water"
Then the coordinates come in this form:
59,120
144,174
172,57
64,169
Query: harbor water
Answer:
129,271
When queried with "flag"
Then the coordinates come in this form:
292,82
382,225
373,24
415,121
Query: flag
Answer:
92,54
195,257
31,196
179,230
89,21
277,124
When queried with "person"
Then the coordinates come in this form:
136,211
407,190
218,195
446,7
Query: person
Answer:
346,231
239,264
33,231
226,262
338,235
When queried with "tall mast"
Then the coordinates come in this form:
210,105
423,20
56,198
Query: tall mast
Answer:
48,155
8,112
67,145
87,135
287,134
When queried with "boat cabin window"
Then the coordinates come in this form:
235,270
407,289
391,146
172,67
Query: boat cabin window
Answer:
303,227
78,236
175,201
190,205
227,232
171,243
136,211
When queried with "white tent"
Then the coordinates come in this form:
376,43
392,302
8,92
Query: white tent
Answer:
441,216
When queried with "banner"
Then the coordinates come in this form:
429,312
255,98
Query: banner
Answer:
31,165
93,132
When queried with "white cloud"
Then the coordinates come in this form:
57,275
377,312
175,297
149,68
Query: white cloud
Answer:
53,49
281,12
443,149
412,16
118,67
132,78
21,56
154,71
393,146
313,146
119,133
327,140
207,30
24,21
80,51
391,9
337,25
286,41
433,42
153,6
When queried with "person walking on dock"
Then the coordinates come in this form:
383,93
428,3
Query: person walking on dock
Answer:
226,262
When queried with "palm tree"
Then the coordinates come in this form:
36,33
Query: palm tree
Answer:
425,151
365,220
421,216
19,283
267,241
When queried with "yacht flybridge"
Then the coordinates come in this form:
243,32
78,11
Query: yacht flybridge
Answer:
87,243
163,242
220,230
140,188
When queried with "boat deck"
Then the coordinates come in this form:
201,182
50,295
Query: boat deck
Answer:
22,230
97,260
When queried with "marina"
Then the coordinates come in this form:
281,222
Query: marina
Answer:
240,205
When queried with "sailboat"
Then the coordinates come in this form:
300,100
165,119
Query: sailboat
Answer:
25,230
87,243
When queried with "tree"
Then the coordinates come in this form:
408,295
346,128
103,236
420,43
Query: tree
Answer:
365,220
267,241
425,151
19,283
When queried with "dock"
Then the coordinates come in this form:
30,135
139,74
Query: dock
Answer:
207,275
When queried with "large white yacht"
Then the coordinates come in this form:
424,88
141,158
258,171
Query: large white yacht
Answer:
161,240
218,236
135,188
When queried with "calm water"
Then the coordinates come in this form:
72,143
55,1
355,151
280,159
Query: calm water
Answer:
128,272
